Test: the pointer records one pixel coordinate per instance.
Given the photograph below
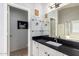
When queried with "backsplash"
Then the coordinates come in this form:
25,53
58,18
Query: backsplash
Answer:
38,26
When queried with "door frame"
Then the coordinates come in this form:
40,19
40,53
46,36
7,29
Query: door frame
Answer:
8,24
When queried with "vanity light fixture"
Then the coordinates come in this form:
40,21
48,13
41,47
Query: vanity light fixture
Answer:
55,5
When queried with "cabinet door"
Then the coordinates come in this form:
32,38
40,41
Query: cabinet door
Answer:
35,48
53,52
42,50
47,51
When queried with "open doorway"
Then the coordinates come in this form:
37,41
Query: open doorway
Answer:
18,32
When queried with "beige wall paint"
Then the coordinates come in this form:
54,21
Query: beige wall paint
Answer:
68,14
60,31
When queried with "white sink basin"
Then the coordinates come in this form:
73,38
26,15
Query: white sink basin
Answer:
54,43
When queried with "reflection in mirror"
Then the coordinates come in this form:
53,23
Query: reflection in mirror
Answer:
67,21
75,26
52,27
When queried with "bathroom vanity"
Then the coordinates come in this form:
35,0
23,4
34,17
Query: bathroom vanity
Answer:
50,46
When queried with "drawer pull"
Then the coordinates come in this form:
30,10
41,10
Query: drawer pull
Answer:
48,54
45,52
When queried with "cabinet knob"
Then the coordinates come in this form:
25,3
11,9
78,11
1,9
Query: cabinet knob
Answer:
48,54
45,52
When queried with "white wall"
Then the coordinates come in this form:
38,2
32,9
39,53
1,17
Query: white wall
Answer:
3,36
19,37
42,7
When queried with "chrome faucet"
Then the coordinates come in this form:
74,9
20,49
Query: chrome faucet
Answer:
56,39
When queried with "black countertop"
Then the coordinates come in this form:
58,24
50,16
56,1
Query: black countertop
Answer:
68,47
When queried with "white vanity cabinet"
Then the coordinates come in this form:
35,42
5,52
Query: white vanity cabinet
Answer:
53,52
42,50
47,51
35,48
